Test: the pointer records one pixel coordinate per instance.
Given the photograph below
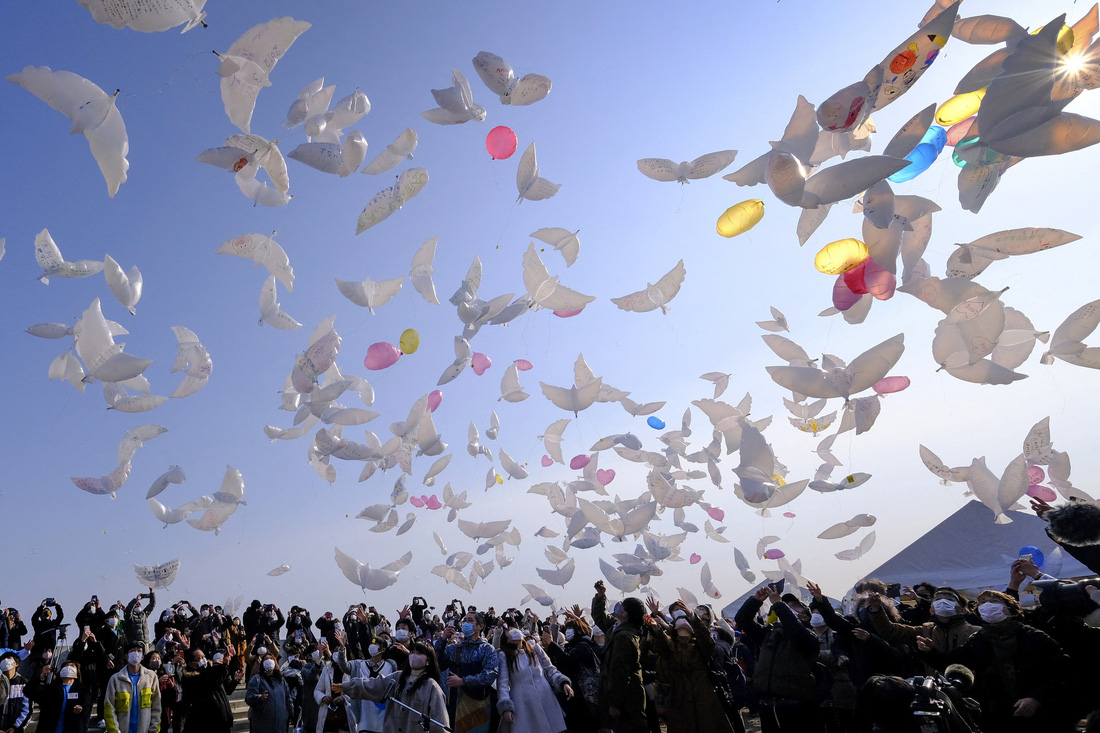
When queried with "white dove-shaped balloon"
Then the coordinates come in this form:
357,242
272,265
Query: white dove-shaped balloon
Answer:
778,322
864,371
999,494
389,200
847,527
126,287
545,291
246,67
262,249
528,183
157,576
370,293
705,166
510,388
456,103
654,295
180,513
367,577
562,240
147,17
501,80
330,157
192,358
92,112
399,150
270,313
785,167
103,359
859,550
174,475
1067,342
48,257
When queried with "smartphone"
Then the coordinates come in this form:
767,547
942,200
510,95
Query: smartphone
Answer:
777,586
87,629
50,602
893,590
95,599
1026,557
324,640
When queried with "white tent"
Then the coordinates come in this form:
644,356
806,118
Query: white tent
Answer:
969,552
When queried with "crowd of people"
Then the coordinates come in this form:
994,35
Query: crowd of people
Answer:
927,658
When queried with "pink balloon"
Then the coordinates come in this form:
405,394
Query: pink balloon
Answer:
501,142
381,355
1042,493
959,130
433,502
416,501
788,515
567,313
773,554
879,281
579,462
1035,475
523,365
434,398
695,558
854,278
605,476
547,461
889,385
479,363
843,297
716,514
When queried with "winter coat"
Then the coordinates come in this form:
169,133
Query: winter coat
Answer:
946,635
50,698
370,715
45,626
15,706
206,690
273,714
311,672
870,656
579,660
427,698
323,689
118,698
785,654
16,631
528,690
692,705
135,619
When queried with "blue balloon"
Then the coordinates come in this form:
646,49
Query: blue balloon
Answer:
655,422
922,156
1036,554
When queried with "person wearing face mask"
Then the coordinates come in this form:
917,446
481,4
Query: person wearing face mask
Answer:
270,621
15,627
1019,671
579,661
333,711
206,686
835,693
136,619
415,687
169,689
947,631
786,651
404,633
369,715
64,703
89,654
315,661
622,695
114,655
268,699
472,667
46,620
260,646
526,687
15,706
684,653
132,698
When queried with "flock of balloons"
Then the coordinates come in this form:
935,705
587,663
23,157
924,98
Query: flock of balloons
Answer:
1008,108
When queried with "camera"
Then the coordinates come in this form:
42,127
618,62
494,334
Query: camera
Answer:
1066,596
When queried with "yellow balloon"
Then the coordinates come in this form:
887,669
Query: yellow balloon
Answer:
410,341
840,256
500,479
959,107
740,218
1065,39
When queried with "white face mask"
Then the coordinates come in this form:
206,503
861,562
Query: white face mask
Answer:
374,650
816,619
68,673
269,665
992,613
316,656
47,656
569,634
401,634
944,607
202,662
112,622
418,661
260,651
683,623
7,664
134,657
219,657
679,614
205,614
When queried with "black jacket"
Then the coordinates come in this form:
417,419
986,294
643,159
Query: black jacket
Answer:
50,699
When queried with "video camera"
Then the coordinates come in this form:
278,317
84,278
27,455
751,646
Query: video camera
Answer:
1066,596
938,704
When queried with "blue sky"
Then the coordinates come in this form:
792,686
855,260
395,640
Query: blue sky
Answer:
645,80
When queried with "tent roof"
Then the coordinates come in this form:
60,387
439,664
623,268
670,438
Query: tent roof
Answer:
968,550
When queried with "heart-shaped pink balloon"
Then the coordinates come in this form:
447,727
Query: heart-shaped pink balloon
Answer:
579,462
1042,493
434,399
523,365
567,313
716,514
433,502
773,554
605,476
479,363
1035,475
695,558
788,515
416,501
547,461
381,355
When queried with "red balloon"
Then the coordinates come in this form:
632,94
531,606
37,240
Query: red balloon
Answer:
843,298
501,142
854,279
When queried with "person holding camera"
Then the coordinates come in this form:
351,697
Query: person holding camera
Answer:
46,620
14,628
136,618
